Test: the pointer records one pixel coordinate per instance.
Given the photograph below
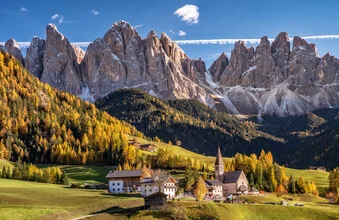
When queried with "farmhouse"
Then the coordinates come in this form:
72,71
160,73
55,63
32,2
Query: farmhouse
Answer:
124,181
232,182
166,185
148,147
214,189
317,168
134,143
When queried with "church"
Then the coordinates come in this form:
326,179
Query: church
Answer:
232,182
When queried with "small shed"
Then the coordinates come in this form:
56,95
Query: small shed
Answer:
155,200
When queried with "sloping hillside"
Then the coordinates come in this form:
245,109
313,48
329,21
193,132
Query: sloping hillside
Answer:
43,125
189,123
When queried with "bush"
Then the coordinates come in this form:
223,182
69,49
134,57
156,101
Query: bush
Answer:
175,211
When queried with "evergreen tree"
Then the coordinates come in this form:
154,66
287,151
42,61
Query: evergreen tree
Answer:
4,172
291,185
251,179
8,173
64,179
259,176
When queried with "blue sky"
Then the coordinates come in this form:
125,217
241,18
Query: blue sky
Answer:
216,19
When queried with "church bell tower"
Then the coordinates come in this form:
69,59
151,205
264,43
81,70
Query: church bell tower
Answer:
219,166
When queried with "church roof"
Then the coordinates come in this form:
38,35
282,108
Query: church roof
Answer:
213,182
219,160
232,177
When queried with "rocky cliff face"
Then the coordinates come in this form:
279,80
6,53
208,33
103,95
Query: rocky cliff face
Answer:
274,80
120,59
269,79
60,62
13,48
35,57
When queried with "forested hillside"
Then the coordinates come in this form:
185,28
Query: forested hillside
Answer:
189,123
40,124
313,138
297,141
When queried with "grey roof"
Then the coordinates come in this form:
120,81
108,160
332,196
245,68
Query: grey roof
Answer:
231,177
147,180
213,182
124,173
160,180
219,160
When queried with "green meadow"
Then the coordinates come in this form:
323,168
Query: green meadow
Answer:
30,200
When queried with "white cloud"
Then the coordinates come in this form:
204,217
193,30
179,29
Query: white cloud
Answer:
172,32
219,41
188,13
94,12
213,41
55,16
137,26
58,17
321,37
181,33
250,41
23,9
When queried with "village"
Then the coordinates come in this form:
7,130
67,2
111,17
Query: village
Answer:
157,187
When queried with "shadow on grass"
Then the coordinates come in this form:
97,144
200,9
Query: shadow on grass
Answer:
120,195
128,212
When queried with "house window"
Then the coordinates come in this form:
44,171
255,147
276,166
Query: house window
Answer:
150,190
113,184
113,189
118,189
118,184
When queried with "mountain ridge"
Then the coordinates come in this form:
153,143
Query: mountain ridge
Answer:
277,78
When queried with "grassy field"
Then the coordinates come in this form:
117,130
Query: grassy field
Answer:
183,152
223,211
319,177
83,174
30,200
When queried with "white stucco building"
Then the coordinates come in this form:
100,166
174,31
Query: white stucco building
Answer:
167,185
124,181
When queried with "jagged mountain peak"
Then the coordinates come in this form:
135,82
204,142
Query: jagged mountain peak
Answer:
12,47
51,27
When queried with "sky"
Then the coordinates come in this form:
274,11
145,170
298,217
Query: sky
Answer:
182,20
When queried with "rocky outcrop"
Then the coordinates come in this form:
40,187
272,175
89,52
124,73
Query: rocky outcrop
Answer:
122,59
274,80
218,67
280,51
13,48
61,68
35,56
103,70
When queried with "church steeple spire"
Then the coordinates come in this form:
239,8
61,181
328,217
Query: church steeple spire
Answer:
219,166
219,160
